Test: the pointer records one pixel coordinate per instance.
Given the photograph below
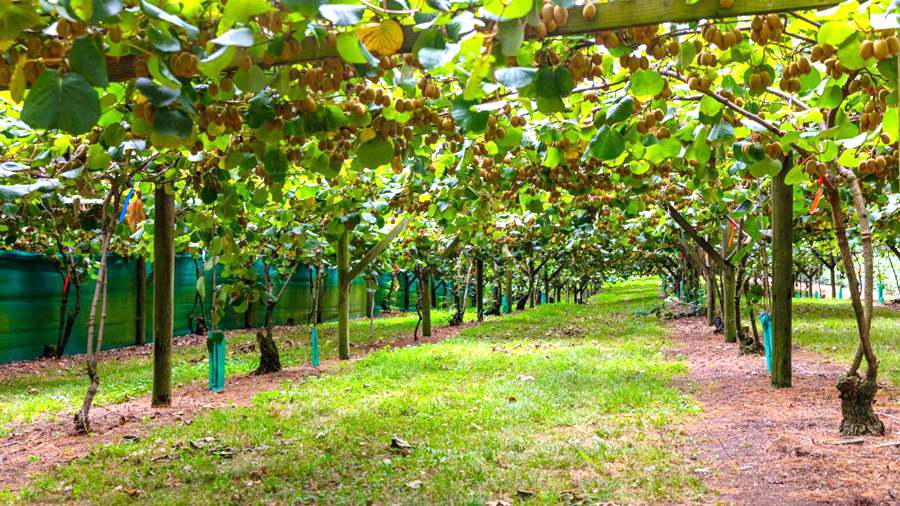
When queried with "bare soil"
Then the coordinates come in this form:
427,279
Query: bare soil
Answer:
39,447
765,446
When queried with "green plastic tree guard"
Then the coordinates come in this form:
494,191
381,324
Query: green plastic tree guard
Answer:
766,320
881,293
315,347
215,344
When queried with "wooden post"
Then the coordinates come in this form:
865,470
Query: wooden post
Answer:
508,286
163,294
479,288
140,315
782,278
425,304
343,266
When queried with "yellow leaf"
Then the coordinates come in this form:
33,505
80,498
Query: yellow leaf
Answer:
425,197
366,134
383,39
17,81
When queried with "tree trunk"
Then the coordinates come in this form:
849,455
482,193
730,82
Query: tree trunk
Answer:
508,287
343,266
728,305
269,360
782,203
425,280
163,294
479,289
140,317
857,393
710,296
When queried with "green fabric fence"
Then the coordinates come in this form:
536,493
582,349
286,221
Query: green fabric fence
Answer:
31,291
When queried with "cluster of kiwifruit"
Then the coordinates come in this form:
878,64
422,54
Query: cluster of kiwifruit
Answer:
821,52
271,21
707,59
659,50
494,130
289,49
607,39
409,104
650,119
765,29
873,114
880,166
790,81
759,80
813,167
375,96
581,66
723,40
552,17
184,64
882,48
634,63
517,120
862,82
699,83
325,79
226,84
589,11
642,34
428,90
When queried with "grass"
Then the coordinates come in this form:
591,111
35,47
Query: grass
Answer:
561,403
60,389
828,326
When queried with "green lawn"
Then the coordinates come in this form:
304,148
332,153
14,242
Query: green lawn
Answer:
558,404
59,391
829,327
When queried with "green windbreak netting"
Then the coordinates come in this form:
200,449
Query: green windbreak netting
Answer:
440,291
30,303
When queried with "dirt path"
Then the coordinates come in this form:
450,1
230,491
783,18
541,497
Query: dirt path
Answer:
768,446
40,446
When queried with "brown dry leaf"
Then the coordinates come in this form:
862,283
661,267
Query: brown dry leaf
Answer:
135,213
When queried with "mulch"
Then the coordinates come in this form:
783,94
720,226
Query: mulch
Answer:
764,446
43,445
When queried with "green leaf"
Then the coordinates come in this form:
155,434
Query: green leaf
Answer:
765,167
433,51
308,8
890,123
163,41
552,157
794,176
466,118
215,63
96,10
159,96
511,34
241,12
375,153
646,83
508,9
515,77
172,122
68,103
342,14
352,50
835,32
849,55
622,110
240,37
710,106
721,132
553,83
155,12
252,80
87,58
831,97
17,17
97,158
608,144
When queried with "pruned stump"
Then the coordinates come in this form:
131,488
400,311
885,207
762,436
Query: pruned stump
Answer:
857,398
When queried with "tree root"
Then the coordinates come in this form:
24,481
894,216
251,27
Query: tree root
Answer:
857,398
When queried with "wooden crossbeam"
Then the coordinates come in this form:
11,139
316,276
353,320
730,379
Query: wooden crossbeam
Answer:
610,16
